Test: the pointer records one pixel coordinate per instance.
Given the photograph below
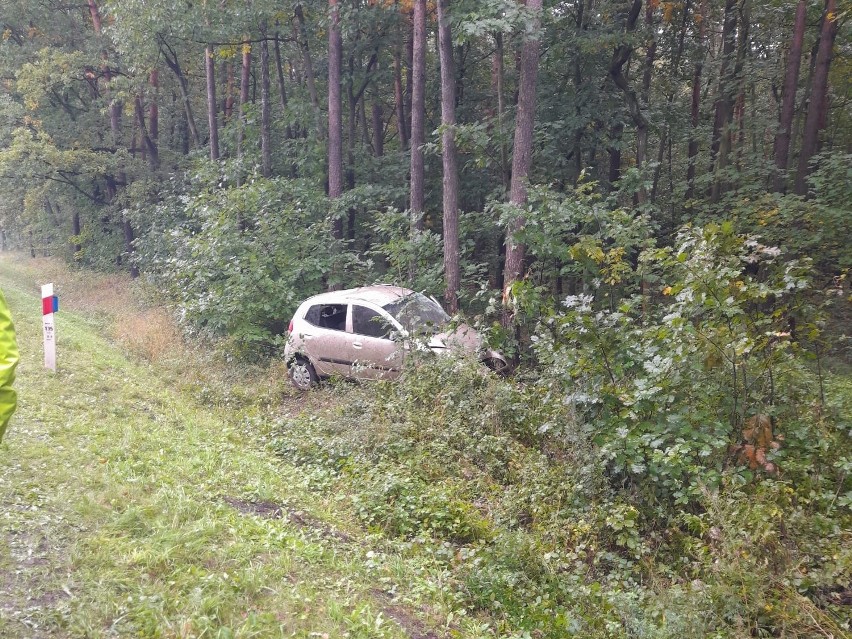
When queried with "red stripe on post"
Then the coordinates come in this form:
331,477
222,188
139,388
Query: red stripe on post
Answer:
46,305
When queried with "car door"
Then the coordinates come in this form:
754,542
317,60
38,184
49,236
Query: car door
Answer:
325,339
375,355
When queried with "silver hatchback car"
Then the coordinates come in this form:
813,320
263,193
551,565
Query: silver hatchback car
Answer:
365,332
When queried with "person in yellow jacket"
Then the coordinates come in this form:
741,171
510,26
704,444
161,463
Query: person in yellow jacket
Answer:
8,362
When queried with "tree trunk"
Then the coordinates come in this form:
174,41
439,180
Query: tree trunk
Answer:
245,76
819,96
335,123
75,232
724,98
620,58
452,273
310,78
282,87
128,246
675,65
521,154
498,79
577,147
695,109
172,61
150,148
212,120
418,114
399,99
265,108
738,110
378,128
647,74
228,88
154,108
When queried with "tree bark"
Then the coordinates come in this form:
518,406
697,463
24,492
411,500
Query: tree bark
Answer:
310,78
172,61
128,246
522,154
695,109
819,97
399,99
265,108
212,120
228,88
75,232
620,58
154,108
418,114
151,150
282,87
245,76
452,273
378,128
675,66
335,123
724,97
498,75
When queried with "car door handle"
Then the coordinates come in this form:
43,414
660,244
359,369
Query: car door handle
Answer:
307,335
357,345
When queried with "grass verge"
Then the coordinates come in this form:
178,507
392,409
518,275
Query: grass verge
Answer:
134,506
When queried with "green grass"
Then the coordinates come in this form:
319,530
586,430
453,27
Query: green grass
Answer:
153,489
130,508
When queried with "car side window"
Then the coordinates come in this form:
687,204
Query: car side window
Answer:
331,316
366,321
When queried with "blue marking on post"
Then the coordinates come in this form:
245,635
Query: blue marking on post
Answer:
55,303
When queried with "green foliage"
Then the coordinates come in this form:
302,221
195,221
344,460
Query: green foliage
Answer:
238,261
668,387
600,496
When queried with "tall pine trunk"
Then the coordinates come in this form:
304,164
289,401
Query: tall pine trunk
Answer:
418,114
819,96
522,153
498,74
282,87
452,273
724,98
310,77
245,76
212,120
265,107
695,106
335,120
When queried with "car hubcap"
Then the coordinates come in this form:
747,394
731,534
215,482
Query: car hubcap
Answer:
301,375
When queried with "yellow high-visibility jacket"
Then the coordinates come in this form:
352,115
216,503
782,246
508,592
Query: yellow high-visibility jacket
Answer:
8,362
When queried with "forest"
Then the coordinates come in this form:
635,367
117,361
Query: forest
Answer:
645,204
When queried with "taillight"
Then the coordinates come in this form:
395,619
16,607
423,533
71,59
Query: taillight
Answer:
290,328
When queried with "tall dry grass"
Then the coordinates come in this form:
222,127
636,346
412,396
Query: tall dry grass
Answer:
132,315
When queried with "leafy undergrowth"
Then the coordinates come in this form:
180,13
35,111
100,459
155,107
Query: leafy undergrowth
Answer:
497,492
134,504
178,494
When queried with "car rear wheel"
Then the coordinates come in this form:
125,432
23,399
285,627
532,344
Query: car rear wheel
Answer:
302,374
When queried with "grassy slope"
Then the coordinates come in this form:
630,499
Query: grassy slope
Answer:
127,508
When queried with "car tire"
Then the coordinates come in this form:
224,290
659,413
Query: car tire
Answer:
302,374
497,365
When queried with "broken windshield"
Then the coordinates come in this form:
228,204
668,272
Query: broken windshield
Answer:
417,313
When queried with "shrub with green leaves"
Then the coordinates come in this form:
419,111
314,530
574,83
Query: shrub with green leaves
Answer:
238,261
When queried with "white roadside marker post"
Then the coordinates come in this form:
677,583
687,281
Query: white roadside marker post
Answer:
49,306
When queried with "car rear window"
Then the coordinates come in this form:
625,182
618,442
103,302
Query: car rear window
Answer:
366,321
331,316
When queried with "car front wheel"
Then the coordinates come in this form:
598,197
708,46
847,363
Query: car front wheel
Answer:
302,374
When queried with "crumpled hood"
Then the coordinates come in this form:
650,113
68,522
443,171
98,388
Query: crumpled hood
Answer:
462,337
